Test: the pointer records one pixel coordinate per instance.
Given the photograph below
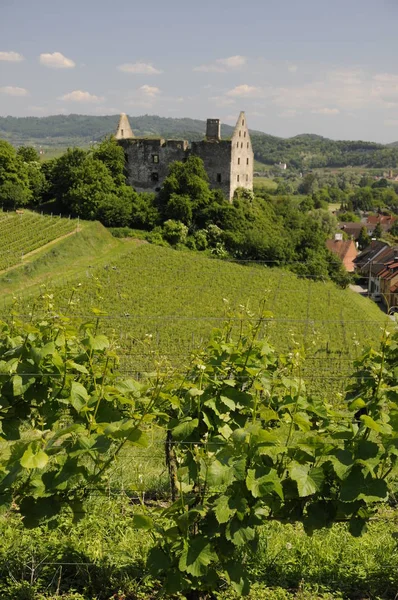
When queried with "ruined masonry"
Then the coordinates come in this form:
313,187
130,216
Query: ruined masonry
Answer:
229,163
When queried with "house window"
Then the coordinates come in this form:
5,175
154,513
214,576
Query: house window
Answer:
247,177
247,161
241,145
122,132
155,158
240,133
243,122
247,144
219,178
154,176
238,161
244,134
237,178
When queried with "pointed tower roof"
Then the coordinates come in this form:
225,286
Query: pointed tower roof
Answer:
124,131
241,121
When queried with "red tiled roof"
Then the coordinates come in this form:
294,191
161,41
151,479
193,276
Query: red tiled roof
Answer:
341,248
382,219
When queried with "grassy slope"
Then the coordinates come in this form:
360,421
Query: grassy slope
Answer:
64,258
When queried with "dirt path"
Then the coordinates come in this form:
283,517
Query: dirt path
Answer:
44,247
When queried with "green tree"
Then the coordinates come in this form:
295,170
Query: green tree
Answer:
174,232
144,212
363,238
112,155
190,182
378,232
14,182
28,154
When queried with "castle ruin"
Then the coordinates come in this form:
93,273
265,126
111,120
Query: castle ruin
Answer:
228,163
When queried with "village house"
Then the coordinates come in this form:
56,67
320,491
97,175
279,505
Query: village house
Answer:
389,284
372,263
353,228
346,250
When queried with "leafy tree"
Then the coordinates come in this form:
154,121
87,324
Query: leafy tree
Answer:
174,232
363,238
144,213
28,154
309,184
362,199
115,210
189,181
349,217
112,155
14,183
37,181
179,208
378,232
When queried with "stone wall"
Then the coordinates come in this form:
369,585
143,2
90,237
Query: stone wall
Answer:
242,158
216,158
228,163
148,161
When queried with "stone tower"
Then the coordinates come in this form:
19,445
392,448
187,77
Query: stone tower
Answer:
213,130
124,131
242,157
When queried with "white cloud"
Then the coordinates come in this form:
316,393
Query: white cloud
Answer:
232,62
10,90
11,56
79,96
56,60
244,90
149,90
222,101
326,111
222,65
139,68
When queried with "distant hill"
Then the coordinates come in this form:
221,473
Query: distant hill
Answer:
304,151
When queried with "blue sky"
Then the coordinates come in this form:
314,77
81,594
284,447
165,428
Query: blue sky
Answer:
310,66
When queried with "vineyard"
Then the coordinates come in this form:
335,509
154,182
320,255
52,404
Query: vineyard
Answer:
158,306
22,233
160,303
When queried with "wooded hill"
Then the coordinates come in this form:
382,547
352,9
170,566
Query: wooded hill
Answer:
306,151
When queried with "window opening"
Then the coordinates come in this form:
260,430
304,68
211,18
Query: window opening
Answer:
218,177
240,134
243,121
247,177
154,176
247,161
241,145
122,132
238,161
155,158
244,134
237,178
